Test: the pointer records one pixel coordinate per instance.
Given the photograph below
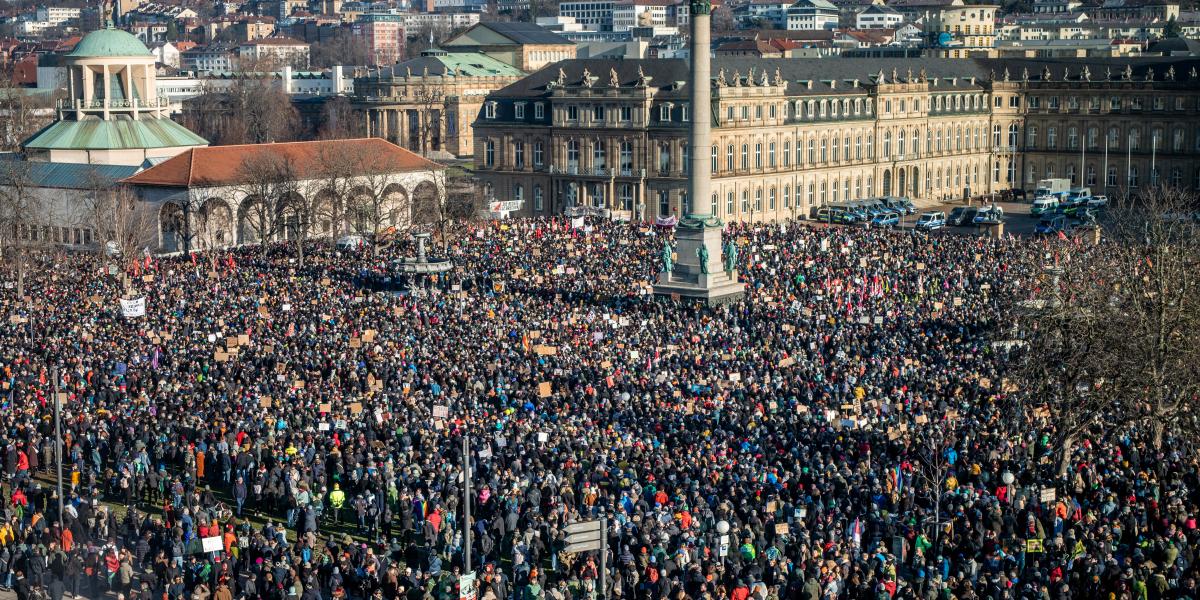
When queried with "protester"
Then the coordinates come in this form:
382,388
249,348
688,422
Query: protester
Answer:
277,429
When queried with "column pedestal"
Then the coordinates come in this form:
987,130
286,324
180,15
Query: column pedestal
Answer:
687,280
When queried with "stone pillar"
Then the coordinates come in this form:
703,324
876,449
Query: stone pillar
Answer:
107,89
128,70
698,274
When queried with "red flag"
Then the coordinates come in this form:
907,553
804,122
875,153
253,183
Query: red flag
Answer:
193,259
149,262
230,262
1061,235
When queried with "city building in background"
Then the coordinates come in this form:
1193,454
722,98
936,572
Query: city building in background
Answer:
790,135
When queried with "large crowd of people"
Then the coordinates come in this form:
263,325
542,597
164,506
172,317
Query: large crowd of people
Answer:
271,428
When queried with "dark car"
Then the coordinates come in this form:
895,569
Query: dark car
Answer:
962,215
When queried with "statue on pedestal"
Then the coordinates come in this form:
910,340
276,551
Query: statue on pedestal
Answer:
731,254
667,265
702,254
721,81
613,80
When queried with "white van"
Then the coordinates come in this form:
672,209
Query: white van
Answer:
931,220
1043,205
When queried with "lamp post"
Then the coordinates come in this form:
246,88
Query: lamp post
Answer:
58,450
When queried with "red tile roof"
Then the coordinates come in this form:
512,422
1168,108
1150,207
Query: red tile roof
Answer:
215,166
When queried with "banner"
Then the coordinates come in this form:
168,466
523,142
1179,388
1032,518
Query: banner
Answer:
577,222
133,308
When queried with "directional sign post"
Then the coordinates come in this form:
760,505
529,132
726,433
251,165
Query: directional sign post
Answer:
586,536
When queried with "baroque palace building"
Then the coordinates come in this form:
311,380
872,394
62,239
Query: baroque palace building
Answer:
790,135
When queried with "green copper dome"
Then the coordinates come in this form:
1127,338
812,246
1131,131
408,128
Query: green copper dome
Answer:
109,42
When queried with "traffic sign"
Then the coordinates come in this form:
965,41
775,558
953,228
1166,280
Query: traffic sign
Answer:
582,526
584,536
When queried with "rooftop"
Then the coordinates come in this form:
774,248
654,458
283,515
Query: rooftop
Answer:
109,42
117,134
223,165
451,64
523,33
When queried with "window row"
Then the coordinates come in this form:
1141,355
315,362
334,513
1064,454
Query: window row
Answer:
1133,139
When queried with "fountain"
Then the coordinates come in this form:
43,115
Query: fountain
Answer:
422,264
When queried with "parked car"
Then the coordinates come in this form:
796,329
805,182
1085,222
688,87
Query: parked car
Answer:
903,206
989,215
830,214
1097,201
886,220
962,215
1051,224
931,220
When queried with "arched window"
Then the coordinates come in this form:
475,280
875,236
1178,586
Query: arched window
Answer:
787,153
771,155
887,145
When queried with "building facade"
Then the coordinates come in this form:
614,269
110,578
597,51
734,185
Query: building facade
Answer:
790,135
220,196
1114,128
428,104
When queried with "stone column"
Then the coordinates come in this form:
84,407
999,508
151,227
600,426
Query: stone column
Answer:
107,89
698,274
700,106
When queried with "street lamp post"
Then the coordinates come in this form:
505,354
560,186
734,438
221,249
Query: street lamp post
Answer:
58,443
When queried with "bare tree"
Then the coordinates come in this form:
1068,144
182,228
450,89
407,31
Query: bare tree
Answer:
23,114
268,184
252,110
1111,328
431,100
1153,262
343,48
124,225
333,185
338,120
20,217
1066,348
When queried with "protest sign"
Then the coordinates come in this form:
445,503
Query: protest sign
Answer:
133,308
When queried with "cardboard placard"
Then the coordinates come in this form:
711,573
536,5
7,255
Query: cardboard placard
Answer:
355,408
221,357
543,350
781,529
544,390
265,402
355,342
243,339
441,411
1048,495
368,336
325,407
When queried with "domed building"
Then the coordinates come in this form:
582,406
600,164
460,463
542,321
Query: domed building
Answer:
113,115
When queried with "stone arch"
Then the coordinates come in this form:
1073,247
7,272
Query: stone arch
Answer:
887,182
900,180
293,214
257,220
326,214
916,182
214,223
358,213
172,227
426,204
397,206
